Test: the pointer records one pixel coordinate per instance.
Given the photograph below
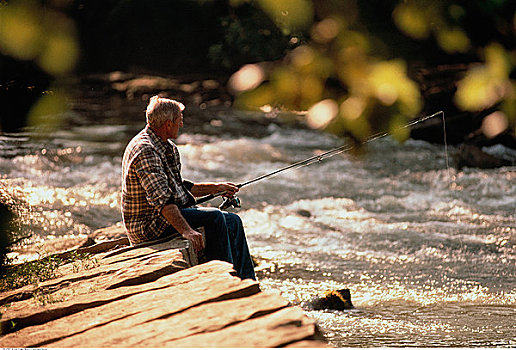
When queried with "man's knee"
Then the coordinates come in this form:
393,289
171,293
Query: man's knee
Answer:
235,223
217,215
213,216
231,216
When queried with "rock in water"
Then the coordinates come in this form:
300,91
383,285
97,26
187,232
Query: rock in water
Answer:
333,300
473,156
305,213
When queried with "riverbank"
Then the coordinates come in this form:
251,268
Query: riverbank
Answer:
152,296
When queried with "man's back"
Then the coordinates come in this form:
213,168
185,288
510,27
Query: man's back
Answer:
145,187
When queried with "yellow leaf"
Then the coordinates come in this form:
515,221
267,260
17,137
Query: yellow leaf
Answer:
60,53
411,20
21,33
48,111
453,40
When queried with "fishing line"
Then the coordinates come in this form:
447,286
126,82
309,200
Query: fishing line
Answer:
446,157
318,158
452,187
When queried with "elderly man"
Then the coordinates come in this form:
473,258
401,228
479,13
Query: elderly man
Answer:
157,202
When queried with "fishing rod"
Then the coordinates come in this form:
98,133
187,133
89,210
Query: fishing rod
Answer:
235,201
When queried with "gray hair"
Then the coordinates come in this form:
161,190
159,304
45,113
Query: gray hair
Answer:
160,109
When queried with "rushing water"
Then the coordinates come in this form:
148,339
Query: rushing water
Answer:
428,252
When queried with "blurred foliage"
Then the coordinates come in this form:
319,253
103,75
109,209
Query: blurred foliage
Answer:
12,230
179,37
488,83
355,75
38,46
48,110
43,42
248,36
30,31
6,229
289,15
360,56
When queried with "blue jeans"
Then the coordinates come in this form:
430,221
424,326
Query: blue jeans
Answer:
225,238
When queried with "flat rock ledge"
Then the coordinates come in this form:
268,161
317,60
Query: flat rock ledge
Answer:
151,296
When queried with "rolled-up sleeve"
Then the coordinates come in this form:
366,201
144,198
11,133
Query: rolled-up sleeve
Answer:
150,171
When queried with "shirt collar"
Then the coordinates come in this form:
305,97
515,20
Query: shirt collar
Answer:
161,145
155,137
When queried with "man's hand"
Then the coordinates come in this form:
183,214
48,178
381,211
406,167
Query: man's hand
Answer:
173,215
196,239
206,188
230,188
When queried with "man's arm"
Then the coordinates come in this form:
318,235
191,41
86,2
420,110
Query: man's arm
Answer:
203,189
173,215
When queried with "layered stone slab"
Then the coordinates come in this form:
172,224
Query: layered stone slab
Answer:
152,296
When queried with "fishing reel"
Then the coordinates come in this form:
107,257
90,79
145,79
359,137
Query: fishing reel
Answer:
233,202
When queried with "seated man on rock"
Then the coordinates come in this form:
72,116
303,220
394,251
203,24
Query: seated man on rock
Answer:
157,202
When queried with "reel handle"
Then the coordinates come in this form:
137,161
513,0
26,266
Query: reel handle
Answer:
230,202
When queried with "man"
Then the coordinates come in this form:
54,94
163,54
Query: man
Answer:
157,202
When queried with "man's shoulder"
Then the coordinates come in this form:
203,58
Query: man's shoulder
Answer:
142,140
141,144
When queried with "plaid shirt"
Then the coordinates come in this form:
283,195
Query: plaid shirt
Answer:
151,178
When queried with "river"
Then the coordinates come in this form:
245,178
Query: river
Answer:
428,252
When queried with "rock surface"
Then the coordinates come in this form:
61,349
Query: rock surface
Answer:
152,296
